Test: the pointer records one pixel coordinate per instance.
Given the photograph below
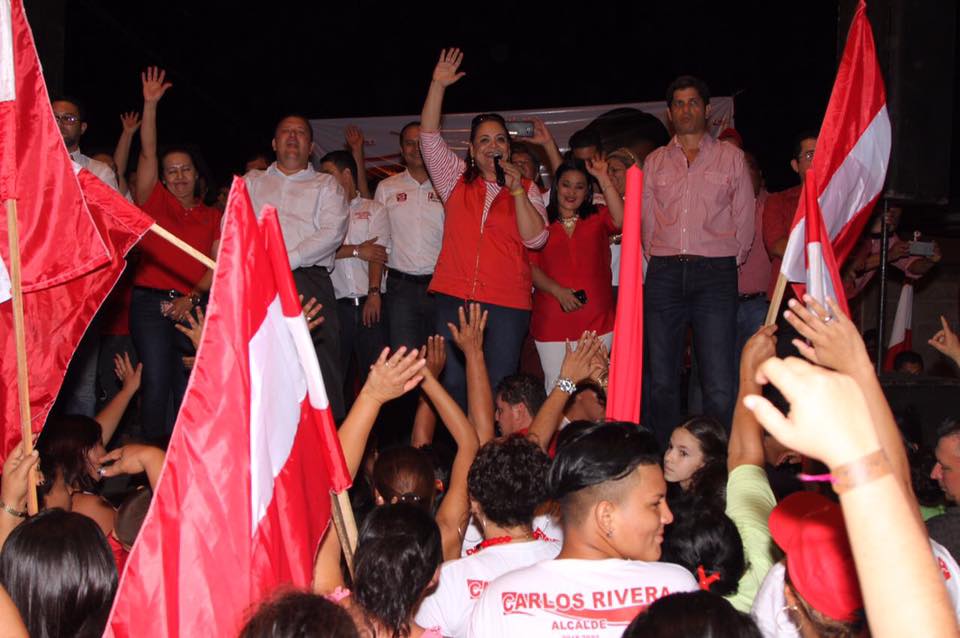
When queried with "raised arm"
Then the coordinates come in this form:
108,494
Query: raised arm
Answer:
134,459
531,217
121,154
829,420
577,366
148,164
354,137
109,417
390,377
469,338
452,515
13,488
444,74
946,341
544,139
598,168
746,435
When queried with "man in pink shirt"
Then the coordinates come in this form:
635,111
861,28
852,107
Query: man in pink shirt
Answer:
698,226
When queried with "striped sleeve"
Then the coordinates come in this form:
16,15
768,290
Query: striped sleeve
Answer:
443,165
533,193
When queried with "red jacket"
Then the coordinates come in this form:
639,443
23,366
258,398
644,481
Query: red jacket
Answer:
483,262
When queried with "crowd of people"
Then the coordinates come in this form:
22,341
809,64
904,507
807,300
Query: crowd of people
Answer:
763,494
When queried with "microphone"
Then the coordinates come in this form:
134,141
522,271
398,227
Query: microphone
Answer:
501,178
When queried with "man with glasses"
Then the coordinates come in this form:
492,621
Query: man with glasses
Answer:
72,121
780,207
698,226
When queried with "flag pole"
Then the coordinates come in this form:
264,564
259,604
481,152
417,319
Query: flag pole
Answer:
184,246
23,389
346,526
777,299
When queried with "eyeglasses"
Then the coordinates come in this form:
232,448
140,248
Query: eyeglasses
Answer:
67,118
806,155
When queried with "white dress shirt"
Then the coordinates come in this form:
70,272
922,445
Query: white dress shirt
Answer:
98,168
415,212
312,208
351,275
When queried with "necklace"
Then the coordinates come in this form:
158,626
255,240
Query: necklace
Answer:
569,222
536,535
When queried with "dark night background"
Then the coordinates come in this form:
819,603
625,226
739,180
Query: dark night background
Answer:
237,67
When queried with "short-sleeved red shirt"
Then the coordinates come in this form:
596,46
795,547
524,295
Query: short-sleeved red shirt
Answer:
578,262
163,265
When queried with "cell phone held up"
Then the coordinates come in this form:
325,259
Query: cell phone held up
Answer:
523,128
921,248
581,296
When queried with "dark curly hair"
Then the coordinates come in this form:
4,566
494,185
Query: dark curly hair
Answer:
405,474
709,483
398,553
705,537
522,388
587,208
692,613
508,479
299,614
63,446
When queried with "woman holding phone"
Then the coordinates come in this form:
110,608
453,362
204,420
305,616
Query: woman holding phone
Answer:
493,216
572,273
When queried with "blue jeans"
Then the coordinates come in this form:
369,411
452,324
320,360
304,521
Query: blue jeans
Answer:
411,312
502,341
161,348
703,295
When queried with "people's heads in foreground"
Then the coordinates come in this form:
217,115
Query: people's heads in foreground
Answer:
697,613
696,457
610,487
908,362
507,482
297,614
946,471
517,398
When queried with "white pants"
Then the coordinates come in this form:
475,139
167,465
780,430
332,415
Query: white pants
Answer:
551,357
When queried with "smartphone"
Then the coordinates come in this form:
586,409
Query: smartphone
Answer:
921,248
581,295
523,128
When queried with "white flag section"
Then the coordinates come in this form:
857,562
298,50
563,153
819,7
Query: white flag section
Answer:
819,283
901,338
8,80
277,391
4,282
382,146
856,183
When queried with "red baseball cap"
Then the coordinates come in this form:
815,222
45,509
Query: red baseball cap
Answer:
809,527
731,134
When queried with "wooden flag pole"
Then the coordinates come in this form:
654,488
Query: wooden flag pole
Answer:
346,526
184,246
23,387
774,308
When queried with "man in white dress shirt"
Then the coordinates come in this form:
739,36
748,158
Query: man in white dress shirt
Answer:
416,232
313,213
71,119
358,276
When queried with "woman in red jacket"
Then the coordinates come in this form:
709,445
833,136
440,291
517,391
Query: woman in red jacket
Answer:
492,216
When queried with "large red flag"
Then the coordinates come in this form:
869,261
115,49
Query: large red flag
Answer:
626,360
853,151
71,256
243,499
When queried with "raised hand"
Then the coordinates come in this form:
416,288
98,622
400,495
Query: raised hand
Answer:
154,85
946,341
760,347
194,329
598,168
577,363
834,341
129,375
13,482
354,137
514,178
129,459
130,122
435,354
469,335
446,72
372,251
541,134
393,374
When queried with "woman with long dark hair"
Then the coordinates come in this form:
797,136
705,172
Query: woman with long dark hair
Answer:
695,463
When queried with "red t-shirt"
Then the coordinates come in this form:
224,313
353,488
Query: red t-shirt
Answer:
578,262
163,265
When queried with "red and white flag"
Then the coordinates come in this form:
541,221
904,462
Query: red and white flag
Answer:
73,232
823,274
901,338
853,151
244,496
626,360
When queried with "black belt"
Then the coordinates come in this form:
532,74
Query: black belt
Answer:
683,259
352,301
417,279
751,295
170,294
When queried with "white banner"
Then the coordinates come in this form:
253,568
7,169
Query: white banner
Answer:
4,282
381,134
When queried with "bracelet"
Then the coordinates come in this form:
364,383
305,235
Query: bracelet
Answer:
566,385
373,291
517,192
12,512
860,472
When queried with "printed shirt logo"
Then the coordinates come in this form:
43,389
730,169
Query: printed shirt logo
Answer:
433,197
475,587
616,607
401,197
944,570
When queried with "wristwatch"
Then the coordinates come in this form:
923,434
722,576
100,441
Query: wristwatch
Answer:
356,251
373,290
566,385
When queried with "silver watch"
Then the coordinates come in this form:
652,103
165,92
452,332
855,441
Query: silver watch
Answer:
566,385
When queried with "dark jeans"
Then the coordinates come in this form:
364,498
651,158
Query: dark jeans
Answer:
79,392
314,281
411,312
161,348
358,342
703,295
502,342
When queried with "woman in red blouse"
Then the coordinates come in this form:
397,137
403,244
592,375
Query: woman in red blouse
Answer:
571,274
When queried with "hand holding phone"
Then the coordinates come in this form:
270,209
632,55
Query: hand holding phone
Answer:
522,128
